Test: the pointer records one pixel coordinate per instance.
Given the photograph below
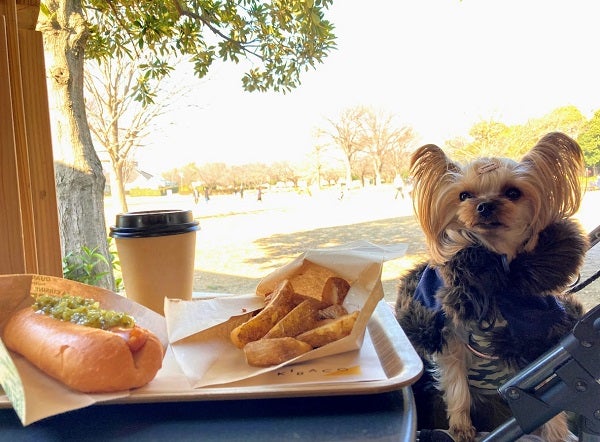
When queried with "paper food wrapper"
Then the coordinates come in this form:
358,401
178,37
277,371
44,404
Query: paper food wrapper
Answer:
33,394
199,330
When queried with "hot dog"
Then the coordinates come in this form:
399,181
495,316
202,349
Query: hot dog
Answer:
108,354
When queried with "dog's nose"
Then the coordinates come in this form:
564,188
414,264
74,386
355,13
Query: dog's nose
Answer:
485,209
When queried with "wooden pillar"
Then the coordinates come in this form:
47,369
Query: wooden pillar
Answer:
29,235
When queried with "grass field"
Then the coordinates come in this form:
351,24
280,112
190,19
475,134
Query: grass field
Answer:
242,240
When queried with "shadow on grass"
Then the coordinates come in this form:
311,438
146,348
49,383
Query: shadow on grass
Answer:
280,248
224,283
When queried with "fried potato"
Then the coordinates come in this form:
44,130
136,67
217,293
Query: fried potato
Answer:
280,304
335,290
302,318
310,280
331,330
301,313
267,352
332,312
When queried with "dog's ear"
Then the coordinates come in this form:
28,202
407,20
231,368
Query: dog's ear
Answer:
430,162
556,164
432,172
431,155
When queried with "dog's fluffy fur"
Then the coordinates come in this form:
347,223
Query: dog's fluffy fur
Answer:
503,249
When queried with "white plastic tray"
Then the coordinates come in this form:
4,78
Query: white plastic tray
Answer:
398,359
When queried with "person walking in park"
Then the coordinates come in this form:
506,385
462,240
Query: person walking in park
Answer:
399,186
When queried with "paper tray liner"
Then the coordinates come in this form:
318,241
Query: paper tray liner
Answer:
398,358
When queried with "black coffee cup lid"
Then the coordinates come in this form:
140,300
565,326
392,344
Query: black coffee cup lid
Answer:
153,223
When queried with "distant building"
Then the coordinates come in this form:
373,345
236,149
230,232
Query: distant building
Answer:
146,183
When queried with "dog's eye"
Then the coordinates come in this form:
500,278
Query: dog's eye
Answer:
513,193
465,196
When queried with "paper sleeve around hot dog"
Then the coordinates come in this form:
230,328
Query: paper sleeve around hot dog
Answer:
87,359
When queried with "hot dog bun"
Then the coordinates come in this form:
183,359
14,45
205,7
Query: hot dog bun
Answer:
87,359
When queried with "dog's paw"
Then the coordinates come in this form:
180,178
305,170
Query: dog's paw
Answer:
478,266
479,261
557,430
463,434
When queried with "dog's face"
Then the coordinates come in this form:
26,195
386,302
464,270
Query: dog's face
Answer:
496,202
494,205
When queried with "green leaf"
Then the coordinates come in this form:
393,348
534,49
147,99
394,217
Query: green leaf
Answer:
283,39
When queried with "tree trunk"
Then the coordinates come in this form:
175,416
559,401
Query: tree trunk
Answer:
117,186
348,167
79,178
377,171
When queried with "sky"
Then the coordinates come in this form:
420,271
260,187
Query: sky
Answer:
439,66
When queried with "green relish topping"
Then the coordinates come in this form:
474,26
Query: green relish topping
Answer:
82,311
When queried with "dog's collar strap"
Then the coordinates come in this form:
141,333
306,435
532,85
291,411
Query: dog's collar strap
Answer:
480,354
487,372
477,338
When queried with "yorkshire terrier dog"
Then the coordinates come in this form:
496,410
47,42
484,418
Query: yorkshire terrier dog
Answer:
492,296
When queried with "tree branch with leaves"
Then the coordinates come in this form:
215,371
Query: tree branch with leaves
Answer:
283,38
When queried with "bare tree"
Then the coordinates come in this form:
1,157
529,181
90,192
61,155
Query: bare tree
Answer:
213,175
117,121
362,167
317,162
284,171
380,137
346,133
365,134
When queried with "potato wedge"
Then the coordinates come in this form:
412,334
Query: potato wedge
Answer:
281,303
267,352
335,291
331,330
302,318
333,312
302,312
310,280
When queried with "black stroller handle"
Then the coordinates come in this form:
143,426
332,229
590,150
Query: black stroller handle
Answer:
563,379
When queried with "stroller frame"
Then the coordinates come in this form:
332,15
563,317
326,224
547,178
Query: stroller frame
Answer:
566,378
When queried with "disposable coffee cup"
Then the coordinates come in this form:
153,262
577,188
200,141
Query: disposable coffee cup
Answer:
156,250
